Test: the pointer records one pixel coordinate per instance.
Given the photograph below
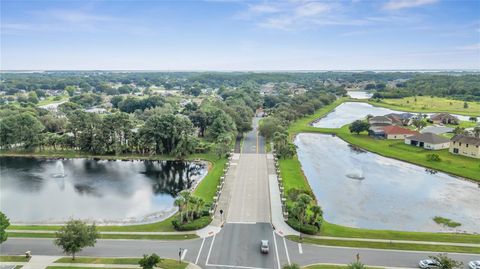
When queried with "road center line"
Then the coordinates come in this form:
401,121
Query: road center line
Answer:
210,250
184,252
200,251
276,249
286,251
300,250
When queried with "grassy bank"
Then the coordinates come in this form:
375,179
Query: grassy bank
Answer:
22,258
426,104
205,189
382,245
81,267
166,263
112,236
333,266
453,164
293,177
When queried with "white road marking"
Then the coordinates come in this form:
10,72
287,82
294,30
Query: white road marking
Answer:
300,250
235,266
242,222
200,251
210,250
184,252
286,251
276,249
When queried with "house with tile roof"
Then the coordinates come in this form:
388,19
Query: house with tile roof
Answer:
428,141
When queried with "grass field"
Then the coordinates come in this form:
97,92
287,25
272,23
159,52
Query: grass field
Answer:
385,245
166,263
293,177
206,189
429,104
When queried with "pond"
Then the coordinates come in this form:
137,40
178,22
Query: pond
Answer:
359,94
36,190
349,112
361,189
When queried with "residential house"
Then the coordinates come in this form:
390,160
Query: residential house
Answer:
444,118
380,120
437,129
400,119
465,145
396,132
428,141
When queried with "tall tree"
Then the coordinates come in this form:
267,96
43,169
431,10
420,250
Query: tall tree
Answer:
75,236
4,223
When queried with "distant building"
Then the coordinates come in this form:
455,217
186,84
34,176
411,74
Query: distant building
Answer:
465,145
444,118
96,110
400,118
428,141
396,132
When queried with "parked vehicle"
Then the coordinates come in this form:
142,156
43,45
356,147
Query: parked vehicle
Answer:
474,265
264,248
428,264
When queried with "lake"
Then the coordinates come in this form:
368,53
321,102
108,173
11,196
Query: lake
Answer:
36,190
365,190
359,94
349,112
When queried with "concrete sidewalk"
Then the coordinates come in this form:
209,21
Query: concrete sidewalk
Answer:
40,262
394,241
278,222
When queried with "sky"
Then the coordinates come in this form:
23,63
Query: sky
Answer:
229,35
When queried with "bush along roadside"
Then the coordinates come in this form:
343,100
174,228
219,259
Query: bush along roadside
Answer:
194,212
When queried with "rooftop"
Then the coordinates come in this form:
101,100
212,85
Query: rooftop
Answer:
466,139
429,138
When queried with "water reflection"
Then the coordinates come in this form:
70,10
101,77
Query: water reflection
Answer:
50,190
366,190
348,112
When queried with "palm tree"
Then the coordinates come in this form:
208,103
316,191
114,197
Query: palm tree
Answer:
317,211
186,195
356,265
180,202
199,205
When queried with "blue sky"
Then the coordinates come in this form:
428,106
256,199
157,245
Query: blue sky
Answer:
240,35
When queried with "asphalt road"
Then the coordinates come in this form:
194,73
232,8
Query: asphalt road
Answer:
253,143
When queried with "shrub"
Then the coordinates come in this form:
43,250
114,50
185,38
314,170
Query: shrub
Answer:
303,228
433,157
192,225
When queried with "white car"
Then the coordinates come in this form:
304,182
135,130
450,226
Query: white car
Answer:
428,263
474,265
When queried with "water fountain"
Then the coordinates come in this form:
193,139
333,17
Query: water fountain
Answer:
60,168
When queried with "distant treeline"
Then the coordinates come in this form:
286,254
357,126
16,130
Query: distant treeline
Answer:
464,87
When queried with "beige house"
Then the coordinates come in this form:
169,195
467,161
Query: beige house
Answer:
428,141
465,145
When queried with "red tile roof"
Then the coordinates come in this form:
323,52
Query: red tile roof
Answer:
393,129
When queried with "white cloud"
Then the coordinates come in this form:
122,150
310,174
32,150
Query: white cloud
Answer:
311,9
401,4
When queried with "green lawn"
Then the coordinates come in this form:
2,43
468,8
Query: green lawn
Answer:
113,236
51,100
426,104
450,163
331,266
293,177
81,267
382,245
13,259
206,188
166,263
